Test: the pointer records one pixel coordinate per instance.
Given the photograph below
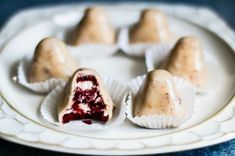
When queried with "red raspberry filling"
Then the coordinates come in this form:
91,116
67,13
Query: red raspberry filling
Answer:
90,99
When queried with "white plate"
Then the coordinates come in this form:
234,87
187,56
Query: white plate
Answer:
213,120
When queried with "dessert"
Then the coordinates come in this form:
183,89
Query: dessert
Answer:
151,28
187,61
51,60
94,28
158,96
85,98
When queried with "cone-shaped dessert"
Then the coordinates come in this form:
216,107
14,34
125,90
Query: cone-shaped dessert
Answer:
85,98
95,28
51,60
187,61
158,96
151,28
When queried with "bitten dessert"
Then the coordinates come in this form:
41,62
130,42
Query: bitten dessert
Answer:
158,96
94,28
187,61
85,98
51,60
151,28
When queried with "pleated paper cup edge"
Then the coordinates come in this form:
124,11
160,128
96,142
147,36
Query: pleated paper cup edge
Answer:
136,50
93,50
43,111
38,87
156,56
118,121
87,50
178,122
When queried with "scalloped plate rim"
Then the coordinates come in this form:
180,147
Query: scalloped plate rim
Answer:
226,137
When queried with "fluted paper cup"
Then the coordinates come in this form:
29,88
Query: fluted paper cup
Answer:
117,90
138,49
39,87
87,50
156,58
186,94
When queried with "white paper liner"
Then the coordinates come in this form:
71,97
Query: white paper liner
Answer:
39,87
117,92
87,50
157,56
136,50
186,94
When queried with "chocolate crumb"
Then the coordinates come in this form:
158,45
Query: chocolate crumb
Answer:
46,70
88,122
179,101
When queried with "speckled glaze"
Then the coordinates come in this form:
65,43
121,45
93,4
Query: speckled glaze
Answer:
187,61
94,27
158,96
151,28
51,60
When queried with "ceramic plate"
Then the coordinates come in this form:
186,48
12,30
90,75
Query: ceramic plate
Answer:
213,119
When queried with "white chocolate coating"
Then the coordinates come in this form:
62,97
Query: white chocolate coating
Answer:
152,28
94,28
51,60
187,61
158,96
